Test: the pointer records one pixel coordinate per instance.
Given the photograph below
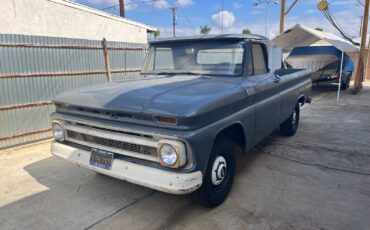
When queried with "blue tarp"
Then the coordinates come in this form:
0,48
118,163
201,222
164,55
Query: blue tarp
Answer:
348,64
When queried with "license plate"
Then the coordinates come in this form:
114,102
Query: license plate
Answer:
101,159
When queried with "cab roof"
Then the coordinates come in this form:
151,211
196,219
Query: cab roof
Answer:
221,37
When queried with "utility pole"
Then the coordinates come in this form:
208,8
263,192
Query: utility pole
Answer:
362,20
222,16
121,8
360,68
282,15
174,20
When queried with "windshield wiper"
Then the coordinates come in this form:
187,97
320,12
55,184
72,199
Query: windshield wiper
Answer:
165,73
189,73
181,73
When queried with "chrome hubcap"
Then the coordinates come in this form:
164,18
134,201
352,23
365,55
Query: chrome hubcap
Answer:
218,170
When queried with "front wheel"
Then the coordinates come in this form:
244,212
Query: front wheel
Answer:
220,173
289,126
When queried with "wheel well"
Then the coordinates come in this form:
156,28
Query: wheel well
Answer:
236,132
301,100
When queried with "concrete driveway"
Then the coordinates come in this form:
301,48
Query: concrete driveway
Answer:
318,179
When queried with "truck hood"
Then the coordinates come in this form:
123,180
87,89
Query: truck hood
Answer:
185,97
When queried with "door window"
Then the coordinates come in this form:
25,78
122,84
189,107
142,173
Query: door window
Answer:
259,59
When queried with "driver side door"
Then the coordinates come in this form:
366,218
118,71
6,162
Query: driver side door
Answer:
267,87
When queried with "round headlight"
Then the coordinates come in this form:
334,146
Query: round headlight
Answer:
168,154
58,131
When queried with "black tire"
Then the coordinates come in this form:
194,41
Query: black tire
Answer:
346,83
289,126
344,86
210,195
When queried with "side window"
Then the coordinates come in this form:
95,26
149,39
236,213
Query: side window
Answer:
259,60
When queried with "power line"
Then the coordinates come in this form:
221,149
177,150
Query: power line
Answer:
186,18
323,6
145,1
129,3
361,3
110,7
328,14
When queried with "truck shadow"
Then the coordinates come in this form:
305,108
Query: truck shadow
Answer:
75,197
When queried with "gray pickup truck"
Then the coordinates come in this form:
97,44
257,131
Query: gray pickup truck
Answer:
178,127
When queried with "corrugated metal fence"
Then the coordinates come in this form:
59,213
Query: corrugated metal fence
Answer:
33,69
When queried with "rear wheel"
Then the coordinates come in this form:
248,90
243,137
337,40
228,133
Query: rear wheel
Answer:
346,83
220,173
289,126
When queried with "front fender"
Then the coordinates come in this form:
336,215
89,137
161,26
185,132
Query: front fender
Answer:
201,141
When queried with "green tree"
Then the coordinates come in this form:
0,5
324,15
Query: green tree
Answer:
205,30
246,31
319,29
156,34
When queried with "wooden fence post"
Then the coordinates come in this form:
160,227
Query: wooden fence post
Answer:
106,57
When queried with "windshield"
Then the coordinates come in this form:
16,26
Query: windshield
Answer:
225,58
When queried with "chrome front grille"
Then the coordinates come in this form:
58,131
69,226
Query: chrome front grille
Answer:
112,143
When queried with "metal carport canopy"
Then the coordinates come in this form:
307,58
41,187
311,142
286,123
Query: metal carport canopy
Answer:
300,35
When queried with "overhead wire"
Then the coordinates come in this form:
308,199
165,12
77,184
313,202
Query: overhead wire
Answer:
129,3
331,18
187,19
361,3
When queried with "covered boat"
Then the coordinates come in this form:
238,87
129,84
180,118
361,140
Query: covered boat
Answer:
324,62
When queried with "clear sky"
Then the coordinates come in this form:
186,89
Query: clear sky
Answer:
237,15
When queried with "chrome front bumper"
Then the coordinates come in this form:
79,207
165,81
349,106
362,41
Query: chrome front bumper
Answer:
161,180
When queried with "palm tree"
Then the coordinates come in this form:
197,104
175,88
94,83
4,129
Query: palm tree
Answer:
246,31
156,34
205,30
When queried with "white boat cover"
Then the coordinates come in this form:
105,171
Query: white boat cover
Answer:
300,35
312,62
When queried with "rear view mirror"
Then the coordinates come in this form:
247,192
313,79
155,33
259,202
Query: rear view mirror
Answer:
189,51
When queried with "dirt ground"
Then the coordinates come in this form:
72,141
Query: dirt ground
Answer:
318,179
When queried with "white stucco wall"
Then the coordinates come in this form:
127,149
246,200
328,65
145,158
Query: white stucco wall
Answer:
60,18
